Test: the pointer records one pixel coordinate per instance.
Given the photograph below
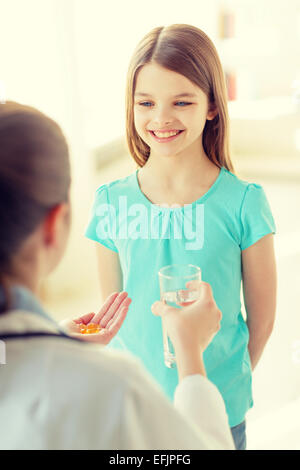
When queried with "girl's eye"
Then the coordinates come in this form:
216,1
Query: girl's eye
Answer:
182,103
147,104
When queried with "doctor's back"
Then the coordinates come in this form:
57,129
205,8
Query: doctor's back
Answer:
58,393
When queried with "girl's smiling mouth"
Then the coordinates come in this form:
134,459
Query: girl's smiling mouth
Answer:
166,135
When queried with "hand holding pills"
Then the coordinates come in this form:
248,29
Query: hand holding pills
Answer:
100,327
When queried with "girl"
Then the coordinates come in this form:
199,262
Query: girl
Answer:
185,205
55,391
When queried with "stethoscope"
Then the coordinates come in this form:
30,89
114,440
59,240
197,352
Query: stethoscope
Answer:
38,334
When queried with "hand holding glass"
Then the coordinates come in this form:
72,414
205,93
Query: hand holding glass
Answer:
173,290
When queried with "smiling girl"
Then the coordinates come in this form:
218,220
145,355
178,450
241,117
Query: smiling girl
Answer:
177,132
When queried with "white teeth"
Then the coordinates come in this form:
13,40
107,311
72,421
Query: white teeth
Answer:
164,135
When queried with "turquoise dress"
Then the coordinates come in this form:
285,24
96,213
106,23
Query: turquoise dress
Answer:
210,233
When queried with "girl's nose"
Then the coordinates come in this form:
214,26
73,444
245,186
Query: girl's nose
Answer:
162,118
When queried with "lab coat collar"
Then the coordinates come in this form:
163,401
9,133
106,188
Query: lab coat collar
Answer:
22,321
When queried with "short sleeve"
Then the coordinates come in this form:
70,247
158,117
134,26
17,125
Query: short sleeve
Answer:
102,225
256,216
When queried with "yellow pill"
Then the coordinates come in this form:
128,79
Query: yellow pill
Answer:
89,329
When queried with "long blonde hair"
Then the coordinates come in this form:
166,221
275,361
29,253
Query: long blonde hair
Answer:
187,50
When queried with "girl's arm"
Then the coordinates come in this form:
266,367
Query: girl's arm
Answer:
109,269
259,286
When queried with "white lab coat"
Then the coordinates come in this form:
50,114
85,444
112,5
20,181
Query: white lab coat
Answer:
57,393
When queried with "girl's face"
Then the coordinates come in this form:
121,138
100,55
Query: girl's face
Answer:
169,111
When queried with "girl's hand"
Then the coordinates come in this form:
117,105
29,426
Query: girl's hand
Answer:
194,326
110,318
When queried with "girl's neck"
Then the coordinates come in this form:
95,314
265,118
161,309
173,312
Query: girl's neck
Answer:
179,169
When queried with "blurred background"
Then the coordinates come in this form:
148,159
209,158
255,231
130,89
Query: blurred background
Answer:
69,59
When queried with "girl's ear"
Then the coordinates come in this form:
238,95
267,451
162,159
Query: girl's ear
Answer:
212,112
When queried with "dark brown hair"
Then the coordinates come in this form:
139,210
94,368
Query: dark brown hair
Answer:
34,176
186,50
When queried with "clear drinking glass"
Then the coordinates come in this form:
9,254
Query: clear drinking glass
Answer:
173,291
